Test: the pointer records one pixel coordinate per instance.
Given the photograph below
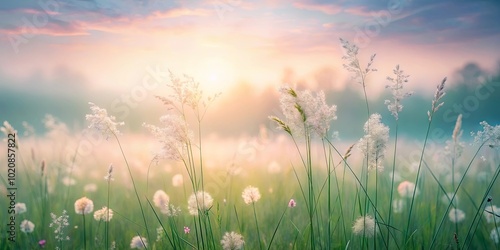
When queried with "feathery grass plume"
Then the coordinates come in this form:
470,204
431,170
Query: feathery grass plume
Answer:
29,130
365,226
138,242
495,235
7,129
437,97
109,176
352,63
174,136
232,241
455,147
60,223
20,208
250,195
374,143
201,201
456,215
398,82
186,90
84,206
304,110
104,214
406,189
492,214
102,122
27,226
489,134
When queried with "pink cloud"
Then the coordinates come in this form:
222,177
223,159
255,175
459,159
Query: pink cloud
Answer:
358,11
329,9
174,13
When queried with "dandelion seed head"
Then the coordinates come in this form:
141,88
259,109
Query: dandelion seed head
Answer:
232,241
161,199
365,225
27,226
138,242
250,195
406,189
20,208
456,215
84,206
177,180
492,214
200,201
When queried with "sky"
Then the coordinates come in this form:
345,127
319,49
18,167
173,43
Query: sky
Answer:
94,48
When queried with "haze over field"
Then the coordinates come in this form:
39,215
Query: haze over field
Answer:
57,56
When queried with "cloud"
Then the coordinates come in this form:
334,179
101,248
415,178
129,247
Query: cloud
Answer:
327,8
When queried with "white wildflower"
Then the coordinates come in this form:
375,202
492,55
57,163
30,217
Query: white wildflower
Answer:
456,215
490,135
201,201
27,226
492,214
104,214
365,225
20,208
250,195
232,241
138,242
374,143
406,189
84,206
186,90
103,123
60,223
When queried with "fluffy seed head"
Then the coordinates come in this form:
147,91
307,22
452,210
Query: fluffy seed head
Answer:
232,241
365,225
27,226
250,195
456,215
201,201
406,189
84,206
138,242
104,214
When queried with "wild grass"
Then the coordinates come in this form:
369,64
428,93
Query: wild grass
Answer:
323,193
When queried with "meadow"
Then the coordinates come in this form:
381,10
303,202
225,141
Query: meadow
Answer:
292,187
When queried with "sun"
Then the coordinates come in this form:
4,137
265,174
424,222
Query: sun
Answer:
216,73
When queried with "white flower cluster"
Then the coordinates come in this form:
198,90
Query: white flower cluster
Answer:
59,223
489,134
